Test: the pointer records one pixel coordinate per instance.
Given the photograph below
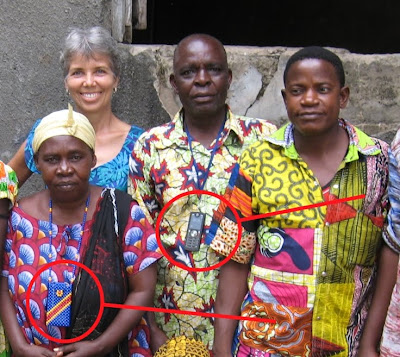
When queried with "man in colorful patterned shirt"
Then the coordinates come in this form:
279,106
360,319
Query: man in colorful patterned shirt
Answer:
311,270
197,150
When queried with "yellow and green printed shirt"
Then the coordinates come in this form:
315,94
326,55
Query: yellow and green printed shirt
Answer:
311,270
8,183
8,190
161,168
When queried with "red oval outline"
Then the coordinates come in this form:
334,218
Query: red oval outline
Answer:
180,265
100,313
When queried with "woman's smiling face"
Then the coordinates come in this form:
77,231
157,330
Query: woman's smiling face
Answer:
91,81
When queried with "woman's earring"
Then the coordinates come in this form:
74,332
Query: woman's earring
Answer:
115,89
67,91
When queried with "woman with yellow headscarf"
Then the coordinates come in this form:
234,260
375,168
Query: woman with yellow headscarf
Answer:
76,221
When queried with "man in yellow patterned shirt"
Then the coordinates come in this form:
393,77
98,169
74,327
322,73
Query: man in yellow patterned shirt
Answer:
310,270
197,150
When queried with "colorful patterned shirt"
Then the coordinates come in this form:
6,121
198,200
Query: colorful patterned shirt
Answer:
112,174
27,249
390,344
311,270
161,168
8,183
8,190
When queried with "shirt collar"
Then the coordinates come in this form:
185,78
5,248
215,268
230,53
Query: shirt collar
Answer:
178,135
359,142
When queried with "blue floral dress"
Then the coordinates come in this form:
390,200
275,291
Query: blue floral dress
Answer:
113,174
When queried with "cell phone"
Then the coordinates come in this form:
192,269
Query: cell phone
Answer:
195,231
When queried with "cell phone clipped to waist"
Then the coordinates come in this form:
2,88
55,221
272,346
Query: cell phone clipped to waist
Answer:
195,231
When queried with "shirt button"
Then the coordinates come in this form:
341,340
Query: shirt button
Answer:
324,274
327,224
318,318
316,183
335,186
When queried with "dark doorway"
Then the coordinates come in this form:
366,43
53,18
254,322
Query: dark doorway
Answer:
361,26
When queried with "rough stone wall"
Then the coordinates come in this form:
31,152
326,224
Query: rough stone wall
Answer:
31,83
31,34
374,104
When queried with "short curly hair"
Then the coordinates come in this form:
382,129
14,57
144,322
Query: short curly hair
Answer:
316,52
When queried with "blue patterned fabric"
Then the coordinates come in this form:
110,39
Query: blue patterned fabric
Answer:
113,174
392,234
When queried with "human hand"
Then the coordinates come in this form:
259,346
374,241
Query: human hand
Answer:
33,351
157,339
80,349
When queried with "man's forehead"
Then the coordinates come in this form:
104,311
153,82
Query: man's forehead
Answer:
318,67
204,38
200,51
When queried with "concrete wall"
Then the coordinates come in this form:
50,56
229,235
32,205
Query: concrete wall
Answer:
374,83
31,34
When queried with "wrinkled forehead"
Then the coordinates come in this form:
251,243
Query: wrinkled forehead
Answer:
82,57
61,144
200,49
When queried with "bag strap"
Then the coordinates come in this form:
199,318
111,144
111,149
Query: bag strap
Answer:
123,203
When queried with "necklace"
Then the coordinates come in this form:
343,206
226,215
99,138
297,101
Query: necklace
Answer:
195,228
59,297
200,185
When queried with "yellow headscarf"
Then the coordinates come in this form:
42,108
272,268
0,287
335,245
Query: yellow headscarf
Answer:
64,122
